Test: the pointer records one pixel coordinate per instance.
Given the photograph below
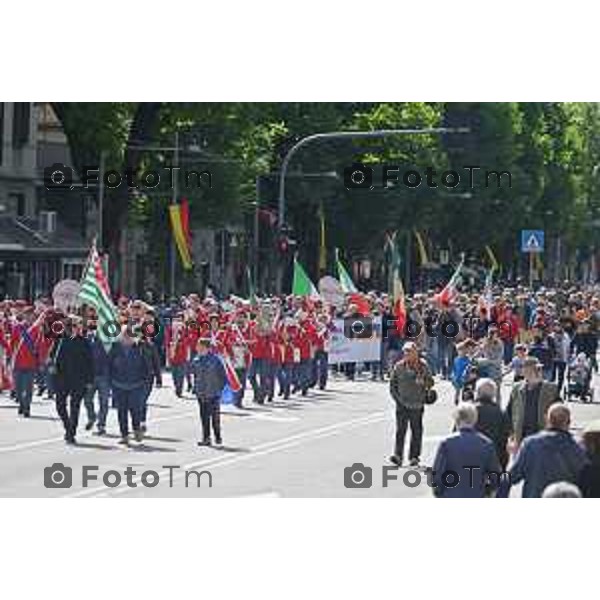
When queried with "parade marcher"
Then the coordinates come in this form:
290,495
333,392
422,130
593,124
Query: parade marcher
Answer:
101,382
152,356
491,419
209,381
240,358
321,357
26,360
467,457
529,401
410,383
73,375
546,457
178,355
129,372
589,478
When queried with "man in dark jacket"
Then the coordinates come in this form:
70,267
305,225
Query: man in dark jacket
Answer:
152,356
73,374
465,464
209,381
548,456
100,383
129,372
491,419
589,478
409,384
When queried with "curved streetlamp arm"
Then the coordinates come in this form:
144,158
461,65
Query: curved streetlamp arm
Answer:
377,133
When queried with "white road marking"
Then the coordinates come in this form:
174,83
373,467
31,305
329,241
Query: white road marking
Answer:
43,442
260,450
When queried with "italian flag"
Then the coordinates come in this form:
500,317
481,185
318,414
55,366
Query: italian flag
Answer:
302,285
447,295
95,292
396,288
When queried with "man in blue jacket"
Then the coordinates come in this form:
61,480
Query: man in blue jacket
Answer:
209,381
546,457
466,465
100,384
129,372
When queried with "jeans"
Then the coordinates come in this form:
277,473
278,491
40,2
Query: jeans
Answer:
445,358
321,364
239,396
558,373
70,417
129,402
404,417
145,397
303,375
102,386
23,381
210,413
188,372
259,378
178,374
284,378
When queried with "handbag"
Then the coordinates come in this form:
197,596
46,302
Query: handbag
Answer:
431,396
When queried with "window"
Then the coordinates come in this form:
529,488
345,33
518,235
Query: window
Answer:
73,269
18,204
21,114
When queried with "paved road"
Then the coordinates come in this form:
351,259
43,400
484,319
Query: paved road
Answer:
295,448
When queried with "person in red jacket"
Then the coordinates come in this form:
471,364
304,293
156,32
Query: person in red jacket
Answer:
321,346
508,325
303,348
178,354
25,342
259,343
284,359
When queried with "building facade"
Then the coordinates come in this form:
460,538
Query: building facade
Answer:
37,247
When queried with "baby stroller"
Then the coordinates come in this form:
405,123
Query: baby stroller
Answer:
579,377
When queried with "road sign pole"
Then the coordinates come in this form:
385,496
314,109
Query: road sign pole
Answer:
531,270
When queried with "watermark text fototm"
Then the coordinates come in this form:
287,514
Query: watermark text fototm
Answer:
360,476
359,176
59,476
59,176
360,327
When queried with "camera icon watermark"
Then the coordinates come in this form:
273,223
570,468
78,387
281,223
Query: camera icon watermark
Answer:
358,177
358,476
358,328
58,476
58,177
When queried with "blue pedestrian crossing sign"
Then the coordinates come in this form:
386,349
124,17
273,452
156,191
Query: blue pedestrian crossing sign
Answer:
532,240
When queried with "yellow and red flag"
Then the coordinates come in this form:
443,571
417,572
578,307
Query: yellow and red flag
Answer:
181,238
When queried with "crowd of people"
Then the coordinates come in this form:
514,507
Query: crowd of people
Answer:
544,341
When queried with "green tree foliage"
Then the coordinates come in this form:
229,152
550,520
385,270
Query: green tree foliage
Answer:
552,151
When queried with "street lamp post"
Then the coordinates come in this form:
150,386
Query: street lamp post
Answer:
174,201
340,135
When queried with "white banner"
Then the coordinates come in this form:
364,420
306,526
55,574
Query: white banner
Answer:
343,349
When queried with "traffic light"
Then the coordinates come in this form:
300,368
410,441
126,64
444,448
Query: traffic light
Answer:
283,244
